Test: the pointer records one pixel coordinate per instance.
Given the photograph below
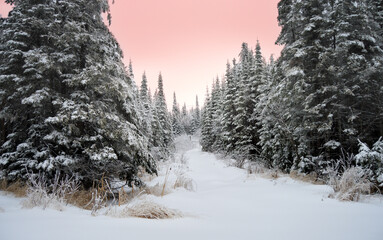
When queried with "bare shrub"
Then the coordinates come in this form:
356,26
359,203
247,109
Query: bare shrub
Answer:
256,168
350,185
42,194
101,194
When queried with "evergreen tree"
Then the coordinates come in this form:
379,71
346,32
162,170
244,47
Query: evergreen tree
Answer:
229,111
176,117
330,68
147,112
186,121
244,102
162,128
196,116
67,103
206,129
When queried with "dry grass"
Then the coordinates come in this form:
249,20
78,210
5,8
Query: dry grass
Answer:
150,210
18,188
271,174
310,178
254,168
351,185
81,199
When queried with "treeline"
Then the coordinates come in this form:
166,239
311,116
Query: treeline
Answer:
159,125
319,105
69,107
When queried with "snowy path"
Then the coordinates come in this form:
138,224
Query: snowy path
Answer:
235,206
227,204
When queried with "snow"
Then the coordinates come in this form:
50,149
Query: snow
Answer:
332,144
227,203
36,97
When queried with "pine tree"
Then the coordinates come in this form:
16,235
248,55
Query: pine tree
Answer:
244,102
176,116
147,111
229,111
207,140
328,79
162,128
67,101
196,116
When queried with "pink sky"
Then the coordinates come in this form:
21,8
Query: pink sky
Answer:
189,41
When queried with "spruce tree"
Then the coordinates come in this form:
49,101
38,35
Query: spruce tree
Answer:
162,127
196,117
328,78
67,101
146,107
207,139
244,101
229,111
176,116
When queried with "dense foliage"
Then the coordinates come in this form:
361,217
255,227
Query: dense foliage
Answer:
67,103
321,100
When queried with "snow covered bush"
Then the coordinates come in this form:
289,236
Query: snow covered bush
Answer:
184,181
371,160
41,193
351,185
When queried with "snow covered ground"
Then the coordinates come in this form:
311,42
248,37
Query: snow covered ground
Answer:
226,203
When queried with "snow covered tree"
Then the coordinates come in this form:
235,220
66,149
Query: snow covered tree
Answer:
328,76
196,116
176,117
67,103
146,107
186,120
229,111
207,139
161,126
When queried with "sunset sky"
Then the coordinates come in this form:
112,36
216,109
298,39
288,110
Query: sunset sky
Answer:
189,41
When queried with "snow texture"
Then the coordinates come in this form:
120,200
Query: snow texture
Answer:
226,204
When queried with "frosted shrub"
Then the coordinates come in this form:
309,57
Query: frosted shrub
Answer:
371,160
159,189
256,168
40,193
350,185
186,182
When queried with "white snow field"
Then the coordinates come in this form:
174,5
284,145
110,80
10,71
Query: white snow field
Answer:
227,204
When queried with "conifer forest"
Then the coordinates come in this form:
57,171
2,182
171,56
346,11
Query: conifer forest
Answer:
70,108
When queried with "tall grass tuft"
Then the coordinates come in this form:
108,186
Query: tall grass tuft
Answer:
351,185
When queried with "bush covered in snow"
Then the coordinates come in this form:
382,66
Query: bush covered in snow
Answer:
351,184
371,161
